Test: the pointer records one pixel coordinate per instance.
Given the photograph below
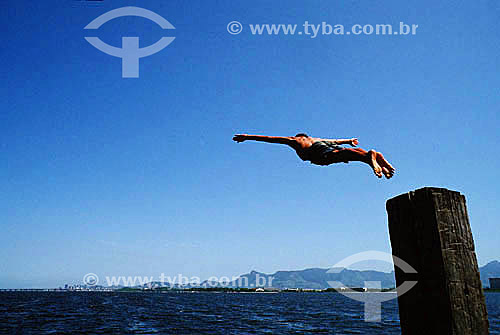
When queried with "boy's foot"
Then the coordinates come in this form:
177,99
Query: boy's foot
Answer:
385,164
386,173
373,163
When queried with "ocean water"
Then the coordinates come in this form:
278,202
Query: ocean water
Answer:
198,313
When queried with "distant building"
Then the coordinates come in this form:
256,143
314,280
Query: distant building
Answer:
495,283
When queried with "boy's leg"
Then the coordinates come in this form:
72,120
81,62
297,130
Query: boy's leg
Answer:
357,154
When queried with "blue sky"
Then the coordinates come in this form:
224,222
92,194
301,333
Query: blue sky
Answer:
140,177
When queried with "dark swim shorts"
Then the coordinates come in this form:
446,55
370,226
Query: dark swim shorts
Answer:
325,153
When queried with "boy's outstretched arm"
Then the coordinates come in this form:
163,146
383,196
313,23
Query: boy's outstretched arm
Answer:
269,139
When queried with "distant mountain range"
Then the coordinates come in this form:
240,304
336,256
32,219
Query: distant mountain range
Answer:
317,278
304,279
490,270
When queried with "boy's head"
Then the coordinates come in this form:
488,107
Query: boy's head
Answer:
301,135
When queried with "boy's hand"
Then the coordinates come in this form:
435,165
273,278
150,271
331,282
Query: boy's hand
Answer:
354,142
239,138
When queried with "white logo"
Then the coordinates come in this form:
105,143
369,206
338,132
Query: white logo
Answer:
373,301
234,27
130,53
91,279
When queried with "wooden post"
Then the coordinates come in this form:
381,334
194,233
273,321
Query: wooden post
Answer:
429,229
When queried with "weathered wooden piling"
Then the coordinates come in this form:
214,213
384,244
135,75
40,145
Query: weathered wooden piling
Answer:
429,229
